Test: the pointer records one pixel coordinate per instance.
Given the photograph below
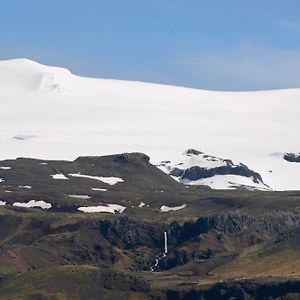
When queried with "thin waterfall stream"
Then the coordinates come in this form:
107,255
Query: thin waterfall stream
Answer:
161,255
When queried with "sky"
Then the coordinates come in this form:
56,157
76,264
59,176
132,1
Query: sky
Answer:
216,45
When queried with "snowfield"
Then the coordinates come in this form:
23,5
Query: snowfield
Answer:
49,113
228,182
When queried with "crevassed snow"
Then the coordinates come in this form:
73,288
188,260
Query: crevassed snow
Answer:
110,208
165,208
2,203
108,180
33,203
84,197
100,190
70,116
59,176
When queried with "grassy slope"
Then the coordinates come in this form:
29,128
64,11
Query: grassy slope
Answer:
73,282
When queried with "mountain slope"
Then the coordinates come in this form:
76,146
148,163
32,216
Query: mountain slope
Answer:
49,113
168,240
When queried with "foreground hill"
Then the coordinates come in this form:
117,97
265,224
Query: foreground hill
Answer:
117,227
48,112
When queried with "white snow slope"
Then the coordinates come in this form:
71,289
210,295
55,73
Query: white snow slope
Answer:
228,180
47,112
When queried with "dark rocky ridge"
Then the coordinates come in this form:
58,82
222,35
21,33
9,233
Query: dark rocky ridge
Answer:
196,172
292,157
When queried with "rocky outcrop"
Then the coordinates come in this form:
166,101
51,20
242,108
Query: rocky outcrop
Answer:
128,234
292,157
272,224
135,157
195,173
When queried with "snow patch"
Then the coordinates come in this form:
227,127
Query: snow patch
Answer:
84,197
33,203
108,180
25,187
59,176
110,208
165,208
2,203
5,168
100,190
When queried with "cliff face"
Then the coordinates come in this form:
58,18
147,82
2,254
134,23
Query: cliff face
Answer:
128,234
201,239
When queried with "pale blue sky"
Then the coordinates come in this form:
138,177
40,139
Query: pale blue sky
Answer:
219,45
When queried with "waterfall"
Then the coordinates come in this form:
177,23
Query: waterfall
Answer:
166,242
161,255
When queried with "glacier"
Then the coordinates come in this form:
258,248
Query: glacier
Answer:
50,113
